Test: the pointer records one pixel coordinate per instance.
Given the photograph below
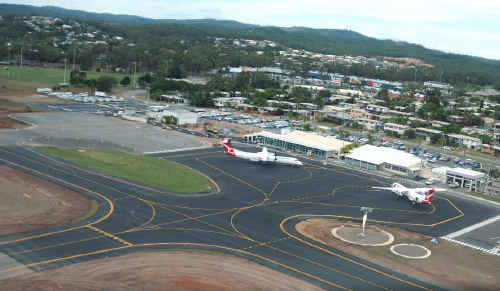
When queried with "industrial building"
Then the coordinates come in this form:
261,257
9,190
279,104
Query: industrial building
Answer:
465,178
183,117
307,143
384,159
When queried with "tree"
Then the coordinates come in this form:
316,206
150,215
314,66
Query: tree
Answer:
307,127
169,120
77,77
105,83
435,138
349,147
279,112
125,81
176,72
410,134
92,83
383,94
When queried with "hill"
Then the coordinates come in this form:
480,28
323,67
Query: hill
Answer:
456,68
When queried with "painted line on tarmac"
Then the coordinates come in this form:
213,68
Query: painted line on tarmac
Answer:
493,251
473,227
110,203
112,236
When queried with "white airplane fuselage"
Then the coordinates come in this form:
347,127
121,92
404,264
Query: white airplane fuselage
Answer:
263,156
414,195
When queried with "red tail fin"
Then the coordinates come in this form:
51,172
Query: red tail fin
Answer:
228,147
429,195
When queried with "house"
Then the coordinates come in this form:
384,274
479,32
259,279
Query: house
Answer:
377,109
427,132
444,88
438,123
467,141
394,128
369,124
456,119
229,101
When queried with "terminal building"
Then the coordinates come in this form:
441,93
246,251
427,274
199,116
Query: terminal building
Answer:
306,143
385,159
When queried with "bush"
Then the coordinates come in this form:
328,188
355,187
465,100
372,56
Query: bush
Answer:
105,83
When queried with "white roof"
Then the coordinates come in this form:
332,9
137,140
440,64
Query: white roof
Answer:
309,139
379,155
466,173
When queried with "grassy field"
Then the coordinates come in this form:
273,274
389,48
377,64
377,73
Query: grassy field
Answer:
151,171
43,76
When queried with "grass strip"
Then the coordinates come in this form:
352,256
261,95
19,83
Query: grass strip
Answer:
143,169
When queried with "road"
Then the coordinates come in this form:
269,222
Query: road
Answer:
250,212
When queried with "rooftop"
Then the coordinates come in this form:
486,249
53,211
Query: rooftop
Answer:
467,173
379,155
309,139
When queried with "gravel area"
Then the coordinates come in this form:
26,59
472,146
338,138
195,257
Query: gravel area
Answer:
168,270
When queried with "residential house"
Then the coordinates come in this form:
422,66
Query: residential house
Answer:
395,128
467,141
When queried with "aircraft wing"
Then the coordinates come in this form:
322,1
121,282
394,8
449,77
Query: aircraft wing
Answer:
382,188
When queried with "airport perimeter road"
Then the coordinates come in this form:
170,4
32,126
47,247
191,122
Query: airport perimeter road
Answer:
251,213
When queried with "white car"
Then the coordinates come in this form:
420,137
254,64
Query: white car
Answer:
429,181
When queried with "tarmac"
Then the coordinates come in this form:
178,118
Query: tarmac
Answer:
78,129
251,213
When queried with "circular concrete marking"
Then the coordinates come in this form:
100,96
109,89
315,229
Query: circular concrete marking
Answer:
372,237
411,251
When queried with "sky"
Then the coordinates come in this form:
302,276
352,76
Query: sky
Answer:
457,26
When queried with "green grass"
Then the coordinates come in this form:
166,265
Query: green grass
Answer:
147,170
485,196
45,76
9,105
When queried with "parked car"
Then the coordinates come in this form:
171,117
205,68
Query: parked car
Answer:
429,181
454,185
476,165
444,158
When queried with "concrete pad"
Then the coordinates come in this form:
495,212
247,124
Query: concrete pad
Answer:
371,237
411,251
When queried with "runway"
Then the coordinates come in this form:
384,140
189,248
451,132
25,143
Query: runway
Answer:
251,213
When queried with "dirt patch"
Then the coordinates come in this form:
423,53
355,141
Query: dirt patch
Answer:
450,265
30,203
161,270
7,122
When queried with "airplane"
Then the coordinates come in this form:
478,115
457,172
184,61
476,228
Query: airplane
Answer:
263,156
414,195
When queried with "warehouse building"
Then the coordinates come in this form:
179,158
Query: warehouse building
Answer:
183,117
385,159
306,143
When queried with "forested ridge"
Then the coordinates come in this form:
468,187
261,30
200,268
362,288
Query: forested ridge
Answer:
189,44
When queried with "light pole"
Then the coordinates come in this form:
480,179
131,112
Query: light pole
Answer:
135,70
65,63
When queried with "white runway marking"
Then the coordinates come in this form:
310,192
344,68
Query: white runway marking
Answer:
473,227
